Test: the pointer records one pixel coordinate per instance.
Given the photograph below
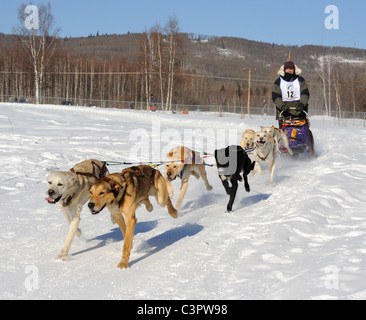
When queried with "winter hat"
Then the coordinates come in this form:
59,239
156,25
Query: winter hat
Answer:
289,65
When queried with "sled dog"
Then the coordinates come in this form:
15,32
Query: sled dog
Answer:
70,190
183,162
123,193
247,139
231,162
279,137
265,150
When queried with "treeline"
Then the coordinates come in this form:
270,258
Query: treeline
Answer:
158,71
84,76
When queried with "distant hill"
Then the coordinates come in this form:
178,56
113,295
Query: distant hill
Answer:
218,56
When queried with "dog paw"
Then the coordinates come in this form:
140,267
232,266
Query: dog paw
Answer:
123,265
62,256
150,208
209,188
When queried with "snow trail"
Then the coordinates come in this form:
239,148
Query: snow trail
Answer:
303,238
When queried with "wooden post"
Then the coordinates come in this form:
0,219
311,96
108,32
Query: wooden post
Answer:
249,87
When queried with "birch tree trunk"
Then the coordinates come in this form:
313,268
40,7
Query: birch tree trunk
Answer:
172,30
37,41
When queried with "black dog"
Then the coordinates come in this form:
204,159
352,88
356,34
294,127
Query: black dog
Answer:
231,162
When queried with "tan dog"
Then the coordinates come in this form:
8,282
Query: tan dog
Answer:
123,193
70,189
247,139
265,150
279,136
183,162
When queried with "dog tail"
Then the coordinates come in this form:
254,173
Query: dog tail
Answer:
162,196
172,211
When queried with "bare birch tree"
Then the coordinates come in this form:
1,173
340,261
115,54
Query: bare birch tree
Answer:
325,73
338,86
321,71
157,57
144,52
172,30
38,40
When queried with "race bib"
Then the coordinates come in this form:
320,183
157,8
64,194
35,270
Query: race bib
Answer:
290,90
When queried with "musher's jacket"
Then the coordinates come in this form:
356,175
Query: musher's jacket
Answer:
290,90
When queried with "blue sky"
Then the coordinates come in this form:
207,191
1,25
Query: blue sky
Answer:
296,22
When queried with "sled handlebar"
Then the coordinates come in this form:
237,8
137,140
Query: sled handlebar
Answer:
293,109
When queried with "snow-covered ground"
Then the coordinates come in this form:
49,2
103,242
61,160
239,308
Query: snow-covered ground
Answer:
303,238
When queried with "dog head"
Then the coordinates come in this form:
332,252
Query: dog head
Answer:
248,139
105,192
261,139
175,162
173,170
60,184
269,130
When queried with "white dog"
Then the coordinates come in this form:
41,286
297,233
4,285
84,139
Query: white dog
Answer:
265,150
279,136
70,189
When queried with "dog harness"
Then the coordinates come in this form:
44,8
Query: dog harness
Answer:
96,171
192,160
263,158
184,169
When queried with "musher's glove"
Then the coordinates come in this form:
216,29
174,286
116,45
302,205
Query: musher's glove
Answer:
300,107
285,108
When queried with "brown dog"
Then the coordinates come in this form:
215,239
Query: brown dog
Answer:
123,193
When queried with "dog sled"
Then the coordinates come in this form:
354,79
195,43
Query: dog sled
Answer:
299,136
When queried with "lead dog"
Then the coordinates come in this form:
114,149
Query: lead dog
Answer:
279,136
70,190
183,162
231,162
124,193
265,150
247,139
